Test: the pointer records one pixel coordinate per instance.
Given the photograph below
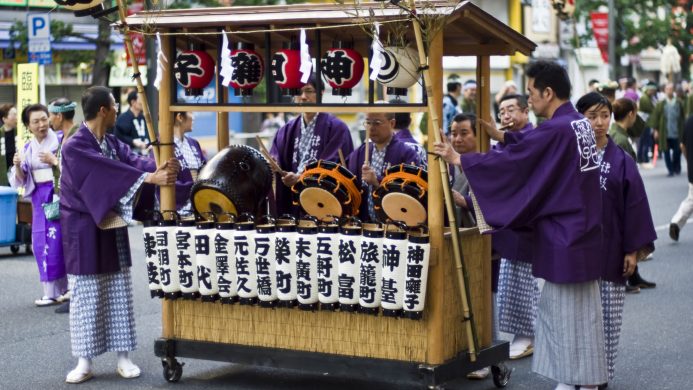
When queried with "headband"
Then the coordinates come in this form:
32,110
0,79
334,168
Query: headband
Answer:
60,109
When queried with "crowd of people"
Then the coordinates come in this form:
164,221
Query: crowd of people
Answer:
569,224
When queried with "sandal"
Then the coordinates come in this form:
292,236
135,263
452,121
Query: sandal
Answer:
45,301
128,373
75,376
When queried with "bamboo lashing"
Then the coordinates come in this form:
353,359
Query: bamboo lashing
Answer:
341,157
268,156
141,95
449,205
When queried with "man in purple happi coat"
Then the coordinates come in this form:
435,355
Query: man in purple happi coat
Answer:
303,140
384,151
547,180
101,177
402,133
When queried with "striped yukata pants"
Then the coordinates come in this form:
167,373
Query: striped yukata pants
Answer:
569,343
613,298
101,310
518,296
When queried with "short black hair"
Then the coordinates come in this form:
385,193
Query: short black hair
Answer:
592,99
465,117
316,82
454,85
93,99
132,96
521,100
622,107
5,110
63,101
26,112
593,81
402,119
549,74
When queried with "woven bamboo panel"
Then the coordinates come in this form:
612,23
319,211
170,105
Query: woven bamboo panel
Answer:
339,333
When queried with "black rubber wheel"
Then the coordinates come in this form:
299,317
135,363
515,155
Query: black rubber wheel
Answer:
172,371
501,375
14,249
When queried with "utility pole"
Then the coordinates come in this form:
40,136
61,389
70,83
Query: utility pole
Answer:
612,40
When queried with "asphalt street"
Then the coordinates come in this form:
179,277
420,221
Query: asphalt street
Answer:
655,350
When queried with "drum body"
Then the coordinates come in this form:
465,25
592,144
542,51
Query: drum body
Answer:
236,180
327,190
402,195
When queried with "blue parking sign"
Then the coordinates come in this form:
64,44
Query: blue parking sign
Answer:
39,34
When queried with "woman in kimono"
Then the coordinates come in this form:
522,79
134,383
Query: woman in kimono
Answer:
628,230
188,152
36,169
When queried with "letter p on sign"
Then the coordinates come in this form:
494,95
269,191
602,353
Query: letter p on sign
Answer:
39,26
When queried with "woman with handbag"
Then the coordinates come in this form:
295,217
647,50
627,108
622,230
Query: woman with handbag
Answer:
36,169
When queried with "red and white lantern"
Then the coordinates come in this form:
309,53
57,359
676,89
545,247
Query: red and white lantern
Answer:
248,69
286,65
400,69
342,66
194,69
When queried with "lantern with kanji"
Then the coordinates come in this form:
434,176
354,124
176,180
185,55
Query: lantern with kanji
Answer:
399,70
248,69
95,8
194,69
286,65
342,66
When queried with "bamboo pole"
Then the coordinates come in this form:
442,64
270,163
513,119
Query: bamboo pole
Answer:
483,105
141,95
168,194
434,126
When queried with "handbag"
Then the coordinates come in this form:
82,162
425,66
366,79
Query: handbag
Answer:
52,209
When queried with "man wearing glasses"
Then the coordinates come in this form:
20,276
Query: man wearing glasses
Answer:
518,290
309,137
384,150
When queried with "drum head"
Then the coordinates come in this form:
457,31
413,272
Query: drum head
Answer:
403,207
320,203
210,200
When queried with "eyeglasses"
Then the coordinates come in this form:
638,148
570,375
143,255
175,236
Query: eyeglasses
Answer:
374,123
308,91
510,111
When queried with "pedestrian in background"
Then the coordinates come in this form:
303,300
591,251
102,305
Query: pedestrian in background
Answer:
678,221
667,122
131,128
8,132
36,169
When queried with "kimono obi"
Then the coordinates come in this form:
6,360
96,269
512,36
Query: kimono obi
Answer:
42,175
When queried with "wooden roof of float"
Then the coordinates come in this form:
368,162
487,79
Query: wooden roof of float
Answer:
469,31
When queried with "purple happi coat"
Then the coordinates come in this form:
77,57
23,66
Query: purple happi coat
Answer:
547,181
333,135
627,221
397,153
513,244
91,186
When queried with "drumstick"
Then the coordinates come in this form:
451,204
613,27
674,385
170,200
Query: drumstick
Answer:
341,157
368,147
506,127
263,150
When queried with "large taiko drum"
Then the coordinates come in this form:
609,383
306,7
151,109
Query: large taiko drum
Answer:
327,190
235,181
402,195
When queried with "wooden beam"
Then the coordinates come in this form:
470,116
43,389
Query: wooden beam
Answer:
436,287
483,105
334,109
168,193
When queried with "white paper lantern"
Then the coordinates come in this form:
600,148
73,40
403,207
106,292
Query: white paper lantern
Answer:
416,276
266,264
328,250
285,247
348,267
151,258
246,273
185,257
225,257
370,268
307,265
395,246
399,70
205,257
